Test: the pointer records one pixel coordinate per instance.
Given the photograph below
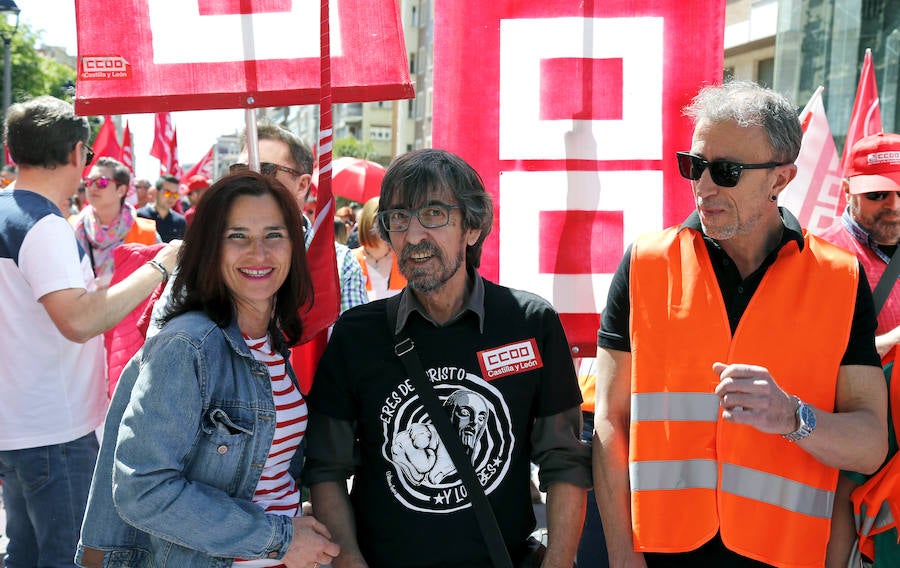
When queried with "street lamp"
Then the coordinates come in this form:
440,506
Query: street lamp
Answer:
8,9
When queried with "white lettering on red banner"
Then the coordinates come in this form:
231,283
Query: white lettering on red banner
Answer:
104,67
509,359
173,20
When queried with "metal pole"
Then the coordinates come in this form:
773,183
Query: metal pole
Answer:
7,91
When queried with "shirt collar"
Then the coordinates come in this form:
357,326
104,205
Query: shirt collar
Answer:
856,230
475,304
792,230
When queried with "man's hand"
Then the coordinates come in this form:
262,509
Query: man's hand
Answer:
751,396
311,544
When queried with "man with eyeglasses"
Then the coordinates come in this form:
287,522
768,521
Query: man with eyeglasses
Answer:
52,370
170,224
737,371
870,228
499,363
285,156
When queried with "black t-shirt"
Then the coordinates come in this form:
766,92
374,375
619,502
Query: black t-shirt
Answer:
736,293
410,508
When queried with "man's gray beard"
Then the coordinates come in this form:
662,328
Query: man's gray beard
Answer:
431,282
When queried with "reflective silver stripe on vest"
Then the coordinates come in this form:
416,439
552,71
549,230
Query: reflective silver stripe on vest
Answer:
694,406
673,474
776,490
865,525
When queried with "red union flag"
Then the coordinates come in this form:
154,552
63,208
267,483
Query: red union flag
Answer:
813,194
865,119
577,132
203,167
168,55
106,144
165,145
127,155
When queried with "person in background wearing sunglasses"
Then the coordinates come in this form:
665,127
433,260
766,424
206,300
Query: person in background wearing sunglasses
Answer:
737,371
108,221
169,223
870,228
285,156
52,380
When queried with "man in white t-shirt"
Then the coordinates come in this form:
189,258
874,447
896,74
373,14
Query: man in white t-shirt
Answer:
51,358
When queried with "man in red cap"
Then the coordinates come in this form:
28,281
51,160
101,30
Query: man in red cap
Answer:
870,228
196,186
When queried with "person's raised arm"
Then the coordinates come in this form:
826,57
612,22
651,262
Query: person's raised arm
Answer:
612,416
80,315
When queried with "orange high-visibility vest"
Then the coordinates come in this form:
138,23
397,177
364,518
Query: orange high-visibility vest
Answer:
691,473
876,503
396,280
143,231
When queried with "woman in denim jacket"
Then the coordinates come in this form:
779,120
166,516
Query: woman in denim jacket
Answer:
193,469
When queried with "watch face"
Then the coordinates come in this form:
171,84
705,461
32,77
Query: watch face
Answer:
807,416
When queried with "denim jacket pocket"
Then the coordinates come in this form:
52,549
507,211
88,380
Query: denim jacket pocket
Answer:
219,459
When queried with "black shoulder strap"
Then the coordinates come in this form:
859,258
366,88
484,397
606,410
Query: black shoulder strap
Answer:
487,522
886,282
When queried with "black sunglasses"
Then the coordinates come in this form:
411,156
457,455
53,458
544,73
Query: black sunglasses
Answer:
89,156
265,168
723,172
879,195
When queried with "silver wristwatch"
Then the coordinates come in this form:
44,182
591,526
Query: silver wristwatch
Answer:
806,420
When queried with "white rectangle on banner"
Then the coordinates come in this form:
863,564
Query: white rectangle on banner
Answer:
638,42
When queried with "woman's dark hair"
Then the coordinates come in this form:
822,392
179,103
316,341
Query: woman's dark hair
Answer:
199,284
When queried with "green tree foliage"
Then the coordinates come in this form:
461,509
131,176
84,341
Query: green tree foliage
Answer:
353,148
34,74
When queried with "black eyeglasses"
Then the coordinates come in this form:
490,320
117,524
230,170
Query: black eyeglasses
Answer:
89,156
723,172
265,168
430,217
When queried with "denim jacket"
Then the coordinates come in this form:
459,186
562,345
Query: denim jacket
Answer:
189,428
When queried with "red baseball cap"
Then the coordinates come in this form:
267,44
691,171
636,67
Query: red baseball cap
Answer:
196,182
875,164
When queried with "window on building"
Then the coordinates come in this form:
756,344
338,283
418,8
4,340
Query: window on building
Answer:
380,133
411,108
728,74
414,17
765,72
412,63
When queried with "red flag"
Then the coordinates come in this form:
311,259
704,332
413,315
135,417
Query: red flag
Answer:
321,258
865,119
813,194
165,145
106,144
127,156
203,167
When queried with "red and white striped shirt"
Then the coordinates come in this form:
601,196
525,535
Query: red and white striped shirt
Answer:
276,492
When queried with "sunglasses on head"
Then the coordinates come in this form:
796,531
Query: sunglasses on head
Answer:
879,195
265,168
101,182
723,172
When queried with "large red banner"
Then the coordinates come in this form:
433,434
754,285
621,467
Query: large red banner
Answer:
571,112
138,56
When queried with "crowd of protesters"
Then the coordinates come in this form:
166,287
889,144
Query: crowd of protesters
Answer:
736,413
